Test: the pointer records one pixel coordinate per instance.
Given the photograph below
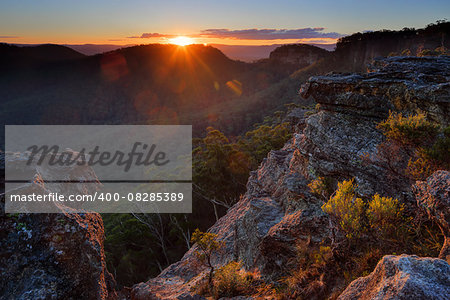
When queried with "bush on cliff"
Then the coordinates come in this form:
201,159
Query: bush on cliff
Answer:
322,186
418,146
377,218
347,208
420,142
385,216
413,129
230,281
207,246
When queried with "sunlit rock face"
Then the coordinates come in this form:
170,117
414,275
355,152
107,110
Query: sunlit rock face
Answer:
53,256
279,212
403,277
433,195
397,83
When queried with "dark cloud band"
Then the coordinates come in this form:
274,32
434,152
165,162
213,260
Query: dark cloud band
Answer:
270,34
255,34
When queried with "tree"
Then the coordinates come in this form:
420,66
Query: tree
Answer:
220,169
207,245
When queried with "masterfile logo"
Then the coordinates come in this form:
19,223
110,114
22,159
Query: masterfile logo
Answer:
138,157
80,168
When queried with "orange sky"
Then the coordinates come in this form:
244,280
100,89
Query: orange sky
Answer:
232,22
127,41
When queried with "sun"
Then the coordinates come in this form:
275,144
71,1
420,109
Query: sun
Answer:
181,40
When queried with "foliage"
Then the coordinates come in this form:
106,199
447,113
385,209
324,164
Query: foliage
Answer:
321,186
381,217
419,146
207,245
130,249
384,215
220,168
231,281
406,52
427,159
257,143
436,52
347,208
420,166
307,280
414,129
440,151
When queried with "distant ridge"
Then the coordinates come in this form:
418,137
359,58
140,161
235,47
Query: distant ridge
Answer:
14,56
239,52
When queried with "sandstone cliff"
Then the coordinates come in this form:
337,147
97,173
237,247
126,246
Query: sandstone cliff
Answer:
278,212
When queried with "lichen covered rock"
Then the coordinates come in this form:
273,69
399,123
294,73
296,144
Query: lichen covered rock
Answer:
403,277
53,256
433,195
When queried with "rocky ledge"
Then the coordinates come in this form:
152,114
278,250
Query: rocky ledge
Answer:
403,277
397,83
278,212
433,195
57,255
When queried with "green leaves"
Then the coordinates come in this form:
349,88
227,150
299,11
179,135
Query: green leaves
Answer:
347,209
221,167
414,129
207,242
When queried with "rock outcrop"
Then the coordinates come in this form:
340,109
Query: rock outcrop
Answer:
359,49
396,83
433,195
53,256
403,277
299,55
278,211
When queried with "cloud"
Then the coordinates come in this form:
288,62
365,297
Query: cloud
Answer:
270,34
147,35
8,37
253,34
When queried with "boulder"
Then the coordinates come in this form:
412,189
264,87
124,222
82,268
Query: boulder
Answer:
53,256
403,277
433,195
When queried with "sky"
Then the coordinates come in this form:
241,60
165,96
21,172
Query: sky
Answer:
255,22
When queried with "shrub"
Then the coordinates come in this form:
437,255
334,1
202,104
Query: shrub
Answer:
406,52
308,280
321,186
436,52
384,215
420,166
415,147
323,255
440,151
414,129
231,281
346,208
